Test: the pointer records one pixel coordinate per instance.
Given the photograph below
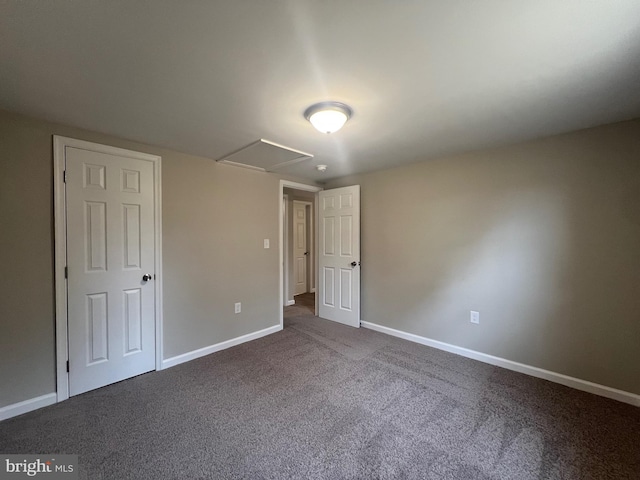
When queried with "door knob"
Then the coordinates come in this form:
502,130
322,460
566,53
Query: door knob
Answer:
146,277
353,264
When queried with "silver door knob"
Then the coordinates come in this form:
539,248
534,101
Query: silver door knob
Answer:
146,277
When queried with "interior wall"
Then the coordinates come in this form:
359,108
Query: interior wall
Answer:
213,253
542,238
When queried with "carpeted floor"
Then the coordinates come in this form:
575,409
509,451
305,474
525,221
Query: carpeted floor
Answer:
305,304
323,401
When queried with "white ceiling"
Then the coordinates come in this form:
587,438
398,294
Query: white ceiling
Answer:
424,78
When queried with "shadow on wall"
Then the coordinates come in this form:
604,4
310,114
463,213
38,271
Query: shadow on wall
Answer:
543,240
510,271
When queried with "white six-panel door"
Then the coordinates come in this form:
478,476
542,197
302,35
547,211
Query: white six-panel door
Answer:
300,252
110,247
339,255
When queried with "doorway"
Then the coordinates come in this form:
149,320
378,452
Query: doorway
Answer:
300,274
336,232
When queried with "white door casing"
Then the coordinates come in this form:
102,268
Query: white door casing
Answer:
339,255
285,259
300,247
111,209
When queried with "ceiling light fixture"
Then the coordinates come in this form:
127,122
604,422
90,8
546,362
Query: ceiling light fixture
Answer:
328,117
321,168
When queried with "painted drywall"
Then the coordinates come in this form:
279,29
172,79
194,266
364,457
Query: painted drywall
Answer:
542,238
212,246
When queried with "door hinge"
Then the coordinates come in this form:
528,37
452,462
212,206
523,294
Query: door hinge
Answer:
64,176
67,366
66,272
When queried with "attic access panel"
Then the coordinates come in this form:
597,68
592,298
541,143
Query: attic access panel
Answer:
265,156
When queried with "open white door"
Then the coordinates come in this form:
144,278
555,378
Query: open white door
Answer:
339,255
111,255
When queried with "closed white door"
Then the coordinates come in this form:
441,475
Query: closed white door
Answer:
339,255
110,259
300,251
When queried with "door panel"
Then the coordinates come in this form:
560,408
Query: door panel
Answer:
133,320
110,245
339,259
131,228
98,346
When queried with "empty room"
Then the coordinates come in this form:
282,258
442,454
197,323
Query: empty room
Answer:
299,239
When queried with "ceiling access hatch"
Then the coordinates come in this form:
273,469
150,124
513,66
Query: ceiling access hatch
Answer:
265,156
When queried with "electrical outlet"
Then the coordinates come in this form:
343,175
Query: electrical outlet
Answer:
238,307
475,317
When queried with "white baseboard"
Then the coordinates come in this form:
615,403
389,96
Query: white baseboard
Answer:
291,302
201,352
578,384
27,406
51,398
313,290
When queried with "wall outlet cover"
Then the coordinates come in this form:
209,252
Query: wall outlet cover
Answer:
475,317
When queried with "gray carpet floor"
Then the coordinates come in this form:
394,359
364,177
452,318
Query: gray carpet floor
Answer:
323,401
305,304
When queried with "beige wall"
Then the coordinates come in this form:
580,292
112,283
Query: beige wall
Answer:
212,246
542,238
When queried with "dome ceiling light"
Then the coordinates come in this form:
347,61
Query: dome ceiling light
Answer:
328,117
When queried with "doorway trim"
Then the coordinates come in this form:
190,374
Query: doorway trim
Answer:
297,186
285,260
60,241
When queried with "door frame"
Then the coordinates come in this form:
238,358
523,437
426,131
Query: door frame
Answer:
60,241
311,240
285,260
307,188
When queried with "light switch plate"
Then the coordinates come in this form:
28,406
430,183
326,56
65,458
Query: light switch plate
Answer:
266,243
